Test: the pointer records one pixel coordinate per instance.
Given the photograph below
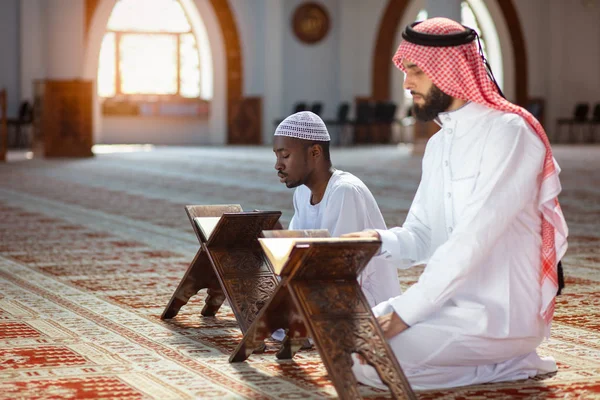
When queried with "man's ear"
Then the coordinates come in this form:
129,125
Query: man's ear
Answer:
316,151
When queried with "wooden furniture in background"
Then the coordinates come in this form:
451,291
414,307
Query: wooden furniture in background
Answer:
63,118
319,296
176,107
230,264
422,132
3,129
245,123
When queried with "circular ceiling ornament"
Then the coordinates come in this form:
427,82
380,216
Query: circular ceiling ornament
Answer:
310,22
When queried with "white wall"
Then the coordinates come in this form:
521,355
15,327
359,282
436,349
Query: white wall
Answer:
155,130
64,38
359,28
33,51
9,57
563,53
444,8
311,71
561,36
273,106
262,55
250,17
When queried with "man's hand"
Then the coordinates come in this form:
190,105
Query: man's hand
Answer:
391,324
364,234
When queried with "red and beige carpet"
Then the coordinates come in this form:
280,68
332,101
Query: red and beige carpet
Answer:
91,251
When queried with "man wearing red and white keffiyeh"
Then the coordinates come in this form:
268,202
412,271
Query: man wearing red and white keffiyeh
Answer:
485,220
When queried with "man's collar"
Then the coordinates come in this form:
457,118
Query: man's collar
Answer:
466,111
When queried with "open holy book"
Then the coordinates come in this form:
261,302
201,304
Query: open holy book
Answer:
242,223
278,249
206,225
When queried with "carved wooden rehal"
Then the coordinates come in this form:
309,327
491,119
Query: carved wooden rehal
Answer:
230,264
320,297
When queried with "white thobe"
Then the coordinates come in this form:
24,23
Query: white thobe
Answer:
348,206
474,314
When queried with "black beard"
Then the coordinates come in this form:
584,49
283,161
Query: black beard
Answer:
436,102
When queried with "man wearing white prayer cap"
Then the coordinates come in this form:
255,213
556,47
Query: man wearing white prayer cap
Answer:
328,198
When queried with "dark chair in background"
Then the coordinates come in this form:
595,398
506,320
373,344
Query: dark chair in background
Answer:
594,123
317,108
3,130
383,122
342,114
363,122
579,119
300,106
20,137
338,128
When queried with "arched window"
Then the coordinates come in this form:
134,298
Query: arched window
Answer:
149,51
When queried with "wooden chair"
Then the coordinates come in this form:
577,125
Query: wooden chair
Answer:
298,107
317,108
363,123
579,119
25,118
340,132
594,123
383,121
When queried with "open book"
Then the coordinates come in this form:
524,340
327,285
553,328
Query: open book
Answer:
206,225
278,249
297,233
240,226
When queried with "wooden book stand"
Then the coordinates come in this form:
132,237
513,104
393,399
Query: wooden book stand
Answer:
319,296
230,263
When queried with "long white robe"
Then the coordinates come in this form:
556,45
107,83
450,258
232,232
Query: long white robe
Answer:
348,206
474,314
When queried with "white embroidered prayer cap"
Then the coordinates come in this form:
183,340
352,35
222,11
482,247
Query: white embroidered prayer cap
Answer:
304,125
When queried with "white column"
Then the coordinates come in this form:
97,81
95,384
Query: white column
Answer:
275,24
9,58
33,59
64,38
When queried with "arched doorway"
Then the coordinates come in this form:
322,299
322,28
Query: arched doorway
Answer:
387,37
225,51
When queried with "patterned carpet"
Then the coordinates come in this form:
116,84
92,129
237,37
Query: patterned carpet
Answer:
91,251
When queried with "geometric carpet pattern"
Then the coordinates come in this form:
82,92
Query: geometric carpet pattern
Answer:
92,249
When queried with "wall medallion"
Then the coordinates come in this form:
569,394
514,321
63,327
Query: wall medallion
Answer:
310,22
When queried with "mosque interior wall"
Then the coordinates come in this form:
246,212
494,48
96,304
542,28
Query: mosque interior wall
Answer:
47,39
9,58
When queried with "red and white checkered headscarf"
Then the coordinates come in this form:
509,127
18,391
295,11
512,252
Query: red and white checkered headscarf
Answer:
459,71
